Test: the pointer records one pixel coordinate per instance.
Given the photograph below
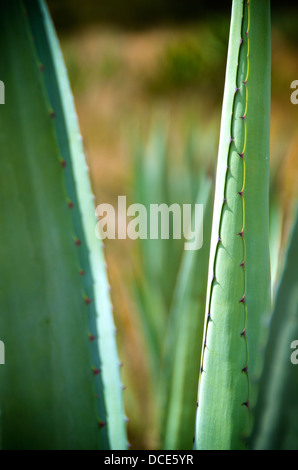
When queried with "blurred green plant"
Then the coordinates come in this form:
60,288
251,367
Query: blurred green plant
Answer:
195,59
276,426
172,318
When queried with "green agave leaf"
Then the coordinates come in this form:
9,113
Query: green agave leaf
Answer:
276,226
276,424
61,381
181,363
150,186
238,298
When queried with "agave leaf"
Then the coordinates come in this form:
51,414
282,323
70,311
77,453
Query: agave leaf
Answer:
150,188
183,342
61,382
238,297
276,421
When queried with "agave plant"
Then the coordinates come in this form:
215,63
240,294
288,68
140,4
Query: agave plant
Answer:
275,424
172,320
218,330
239,273
239,292
60,386
231,412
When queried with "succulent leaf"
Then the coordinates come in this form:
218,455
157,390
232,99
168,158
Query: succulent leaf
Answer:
238,299
61,382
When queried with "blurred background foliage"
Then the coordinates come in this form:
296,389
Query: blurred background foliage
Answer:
146,71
